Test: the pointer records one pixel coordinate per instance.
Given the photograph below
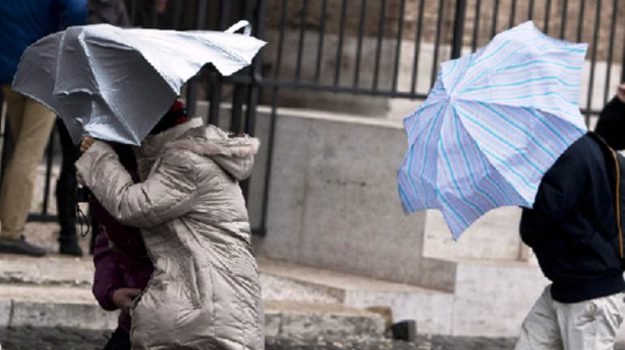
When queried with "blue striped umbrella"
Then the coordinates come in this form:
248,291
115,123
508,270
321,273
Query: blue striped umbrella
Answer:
493,124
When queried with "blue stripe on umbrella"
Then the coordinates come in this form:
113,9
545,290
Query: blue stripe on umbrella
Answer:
494,123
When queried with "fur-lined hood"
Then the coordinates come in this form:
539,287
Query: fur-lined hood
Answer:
235,155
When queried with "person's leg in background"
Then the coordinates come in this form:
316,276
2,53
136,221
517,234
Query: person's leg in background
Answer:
30,124
120,340
540,329
66,195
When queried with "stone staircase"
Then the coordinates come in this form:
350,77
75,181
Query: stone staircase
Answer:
55,292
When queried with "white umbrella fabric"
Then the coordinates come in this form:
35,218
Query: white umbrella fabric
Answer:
115,84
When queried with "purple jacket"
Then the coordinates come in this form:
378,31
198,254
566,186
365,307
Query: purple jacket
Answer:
120,257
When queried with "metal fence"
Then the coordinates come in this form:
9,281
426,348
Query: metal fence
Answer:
389,49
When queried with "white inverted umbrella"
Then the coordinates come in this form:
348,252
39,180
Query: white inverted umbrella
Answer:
115,84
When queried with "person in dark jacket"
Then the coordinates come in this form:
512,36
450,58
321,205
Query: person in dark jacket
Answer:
611,124
109,11
21,24
100,11
573,231
122,265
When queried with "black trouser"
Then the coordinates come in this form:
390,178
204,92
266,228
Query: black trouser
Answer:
66,185
120,340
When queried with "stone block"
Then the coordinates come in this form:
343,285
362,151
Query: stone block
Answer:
39,314
332,206
493,236
281,288
5,312
492,299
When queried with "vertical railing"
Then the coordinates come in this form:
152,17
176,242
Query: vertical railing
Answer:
457,42
369,55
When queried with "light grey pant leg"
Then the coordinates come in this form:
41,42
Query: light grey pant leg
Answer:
540,329
591,324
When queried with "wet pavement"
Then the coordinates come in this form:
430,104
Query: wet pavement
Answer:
75,339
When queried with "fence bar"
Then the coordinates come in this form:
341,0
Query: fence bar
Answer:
262,231
177,13
191,96
593,62
224,14
49,156
476,25
256,77
236,121
547,16
272,125
580,20
255,71
564,16
200,22
437,43
361,32
214,83
378,53
493,30
461,11
623,63
608,72
322,29
133,11
200,16
7,140
530,10
400,32
339,48
248,14
300,44
512,14
417,50
154,15
280,48
214,79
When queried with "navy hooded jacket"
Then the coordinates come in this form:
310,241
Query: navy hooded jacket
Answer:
572,227
23,22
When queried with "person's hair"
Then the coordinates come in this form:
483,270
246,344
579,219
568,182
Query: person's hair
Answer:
611,124
177,114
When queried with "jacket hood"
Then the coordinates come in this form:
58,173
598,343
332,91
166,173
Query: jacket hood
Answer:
235,155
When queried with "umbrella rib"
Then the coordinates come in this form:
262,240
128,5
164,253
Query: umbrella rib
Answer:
520,129
467,163
491,154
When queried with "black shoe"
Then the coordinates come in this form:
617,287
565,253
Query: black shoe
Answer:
68,244
20,246
70,248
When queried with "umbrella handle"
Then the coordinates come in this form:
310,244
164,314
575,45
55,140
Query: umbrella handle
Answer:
241,25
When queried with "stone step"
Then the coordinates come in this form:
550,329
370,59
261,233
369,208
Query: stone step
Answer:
280,282
432,309
74,307
490,298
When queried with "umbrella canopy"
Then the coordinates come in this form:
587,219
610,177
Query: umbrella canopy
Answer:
115,84
493,124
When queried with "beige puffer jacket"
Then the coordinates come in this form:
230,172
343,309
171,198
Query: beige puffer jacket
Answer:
205,291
